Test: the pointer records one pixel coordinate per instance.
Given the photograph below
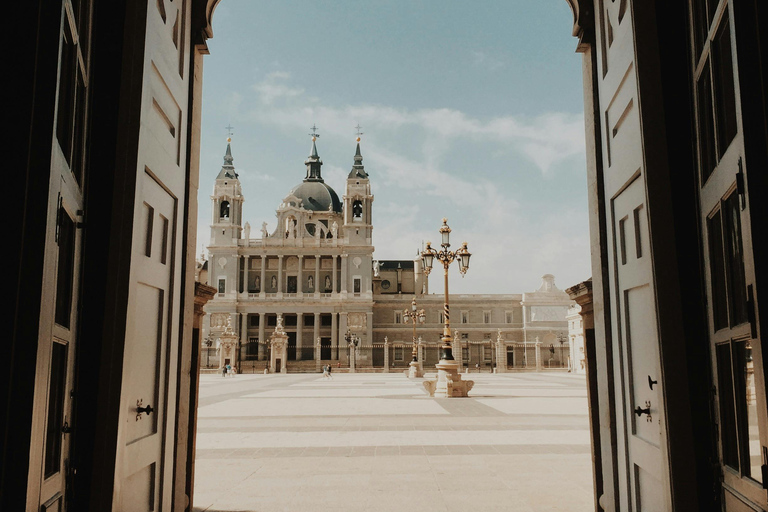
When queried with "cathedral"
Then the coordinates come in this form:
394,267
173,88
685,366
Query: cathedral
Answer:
316,278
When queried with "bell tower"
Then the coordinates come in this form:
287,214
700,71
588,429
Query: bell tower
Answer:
227,199
358,202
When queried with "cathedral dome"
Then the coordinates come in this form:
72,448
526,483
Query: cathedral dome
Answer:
317,196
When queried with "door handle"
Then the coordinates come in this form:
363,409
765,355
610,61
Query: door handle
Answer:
148,409
141,409
646,411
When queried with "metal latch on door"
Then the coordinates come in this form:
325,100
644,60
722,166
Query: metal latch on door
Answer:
140,409
647,411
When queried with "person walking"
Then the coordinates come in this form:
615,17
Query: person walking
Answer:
325,371
330,377
224,371
229,369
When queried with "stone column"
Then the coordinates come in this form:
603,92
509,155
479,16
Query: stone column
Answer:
501,354
386,355
334,336
247,269
317,276
262,285
343,352
318,346
334,284
369,328
344,262
300,277
262,339
280,275
299,336
243,335
316,328
538,354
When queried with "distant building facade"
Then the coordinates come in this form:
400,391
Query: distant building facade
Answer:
316,271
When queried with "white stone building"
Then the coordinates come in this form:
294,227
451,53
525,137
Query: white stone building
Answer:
316,271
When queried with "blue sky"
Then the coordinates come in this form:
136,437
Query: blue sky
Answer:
470,110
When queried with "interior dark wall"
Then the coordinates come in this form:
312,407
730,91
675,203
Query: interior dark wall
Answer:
29,109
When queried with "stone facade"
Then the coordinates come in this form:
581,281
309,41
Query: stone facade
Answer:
316,270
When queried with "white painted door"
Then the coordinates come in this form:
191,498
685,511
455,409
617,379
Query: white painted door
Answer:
737,357
642,465
144,468
50,467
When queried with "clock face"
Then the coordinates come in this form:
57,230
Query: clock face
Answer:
385,285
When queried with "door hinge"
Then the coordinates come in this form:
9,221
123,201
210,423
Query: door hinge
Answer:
740,186
751,316
58,219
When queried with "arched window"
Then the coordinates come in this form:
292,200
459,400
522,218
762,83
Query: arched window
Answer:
357,209
224,210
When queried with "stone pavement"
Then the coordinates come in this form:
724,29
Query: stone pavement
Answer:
378,442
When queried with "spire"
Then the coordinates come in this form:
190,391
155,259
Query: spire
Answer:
313,161
358,170
227,169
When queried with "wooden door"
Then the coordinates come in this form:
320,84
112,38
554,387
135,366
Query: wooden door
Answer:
144,462
642,466
737,358
50,468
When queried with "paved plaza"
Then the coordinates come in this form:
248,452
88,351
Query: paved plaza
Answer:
378,442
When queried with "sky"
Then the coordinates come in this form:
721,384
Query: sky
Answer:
469,110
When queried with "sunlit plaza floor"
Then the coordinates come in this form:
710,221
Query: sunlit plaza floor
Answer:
378,442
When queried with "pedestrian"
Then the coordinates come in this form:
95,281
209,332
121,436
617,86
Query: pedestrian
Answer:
477,367
229,369
224,371
325,371
234,371
330,377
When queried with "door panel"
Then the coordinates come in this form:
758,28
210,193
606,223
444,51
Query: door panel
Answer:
639,412
50,470
144,470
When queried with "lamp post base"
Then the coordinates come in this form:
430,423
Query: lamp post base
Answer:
415,371
448,383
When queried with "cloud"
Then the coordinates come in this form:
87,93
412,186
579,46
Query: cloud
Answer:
272,88
486,61
545,140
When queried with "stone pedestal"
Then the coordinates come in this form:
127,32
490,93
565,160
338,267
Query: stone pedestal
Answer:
501,354
228,346
386,355
318,348
414,370
279,349
449,383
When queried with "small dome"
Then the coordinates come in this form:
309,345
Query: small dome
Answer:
317,196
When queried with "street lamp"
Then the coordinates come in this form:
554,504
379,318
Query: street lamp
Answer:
414,316
446,257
